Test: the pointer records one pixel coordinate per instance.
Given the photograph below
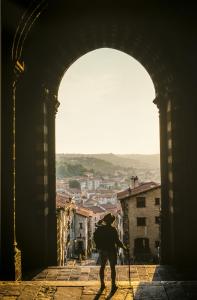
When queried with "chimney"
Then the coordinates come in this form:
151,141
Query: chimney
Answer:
134,182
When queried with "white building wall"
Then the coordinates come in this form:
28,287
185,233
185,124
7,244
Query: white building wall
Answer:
81,233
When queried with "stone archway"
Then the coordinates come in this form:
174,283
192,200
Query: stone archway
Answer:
50,37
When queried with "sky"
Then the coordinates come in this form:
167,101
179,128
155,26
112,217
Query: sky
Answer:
106,106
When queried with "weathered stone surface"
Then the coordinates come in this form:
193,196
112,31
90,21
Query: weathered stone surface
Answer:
9,297
92,291
61,285
11,290
46,292
137,273
71,293
29,292
123,294
174,291
142,291
149,291
190,290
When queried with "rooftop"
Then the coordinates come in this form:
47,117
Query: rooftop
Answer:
142,188
97,209
84,212
62,200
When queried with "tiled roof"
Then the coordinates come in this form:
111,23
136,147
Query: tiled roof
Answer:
90,201
114,210
109,206
142,188
97,209
74,190
84,212
62,200
124,194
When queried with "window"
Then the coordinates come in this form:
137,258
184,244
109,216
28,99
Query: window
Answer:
157,220
80,225
157,244
157,201
141,246
141,221
140,202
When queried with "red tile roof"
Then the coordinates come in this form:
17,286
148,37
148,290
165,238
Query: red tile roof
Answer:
142,188
84,212
110,206
113,209
97,209
62,200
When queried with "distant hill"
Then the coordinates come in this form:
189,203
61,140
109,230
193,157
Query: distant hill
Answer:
150,160
96,165
147,167
131,160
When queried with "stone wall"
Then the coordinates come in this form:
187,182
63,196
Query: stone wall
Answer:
150,211
17,260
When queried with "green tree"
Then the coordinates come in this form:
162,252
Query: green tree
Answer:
76,170
61,171
74,184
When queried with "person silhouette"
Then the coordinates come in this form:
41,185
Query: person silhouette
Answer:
107,242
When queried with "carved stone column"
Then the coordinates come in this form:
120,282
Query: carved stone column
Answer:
31,173
52,105
18,71
10,253
167,228
184,162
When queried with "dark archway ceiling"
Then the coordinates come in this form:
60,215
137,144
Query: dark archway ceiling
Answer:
155,34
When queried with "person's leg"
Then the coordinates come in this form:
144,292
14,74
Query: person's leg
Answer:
113,273
103,259
113,262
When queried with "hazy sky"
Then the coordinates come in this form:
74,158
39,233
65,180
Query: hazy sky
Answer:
106,106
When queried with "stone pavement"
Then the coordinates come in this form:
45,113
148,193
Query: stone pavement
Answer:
54,290
88,273
82,283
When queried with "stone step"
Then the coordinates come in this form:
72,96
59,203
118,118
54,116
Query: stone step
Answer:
89,290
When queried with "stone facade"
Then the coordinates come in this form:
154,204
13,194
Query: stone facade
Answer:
18,269
171,63
64,212
83,231
141,209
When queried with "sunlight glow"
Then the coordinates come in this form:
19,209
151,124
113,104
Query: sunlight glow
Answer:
106,106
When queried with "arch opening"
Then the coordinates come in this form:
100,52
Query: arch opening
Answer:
106,115
40,70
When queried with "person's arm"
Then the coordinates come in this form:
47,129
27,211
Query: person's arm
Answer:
118,241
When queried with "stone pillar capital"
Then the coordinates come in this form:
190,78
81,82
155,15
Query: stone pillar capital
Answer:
51,100
156,101
160,101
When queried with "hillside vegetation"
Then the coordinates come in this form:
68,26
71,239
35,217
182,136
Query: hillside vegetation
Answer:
69,165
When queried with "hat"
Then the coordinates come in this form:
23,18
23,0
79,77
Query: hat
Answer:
99,223
109,218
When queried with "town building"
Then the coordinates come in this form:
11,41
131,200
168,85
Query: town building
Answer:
64,212
90,183
83,231
141,205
